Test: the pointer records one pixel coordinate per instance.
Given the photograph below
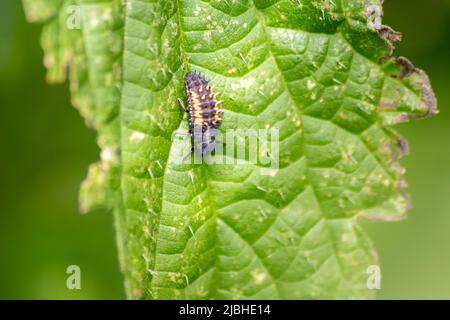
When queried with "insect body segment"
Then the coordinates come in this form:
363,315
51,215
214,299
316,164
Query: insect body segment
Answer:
205,113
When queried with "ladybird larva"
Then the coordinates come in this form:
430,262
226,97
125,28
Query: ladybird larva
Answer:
205,113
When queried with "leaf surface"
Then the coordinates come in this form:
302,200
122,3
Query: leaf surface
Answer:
320,72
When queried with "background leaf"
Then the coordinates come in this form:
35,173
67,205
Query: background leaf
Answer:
320,72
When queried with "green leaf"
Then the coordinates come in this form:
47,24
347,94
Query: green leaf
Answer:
320,72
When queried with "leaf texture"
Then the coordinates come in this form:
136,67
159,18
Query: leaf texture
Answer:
320,72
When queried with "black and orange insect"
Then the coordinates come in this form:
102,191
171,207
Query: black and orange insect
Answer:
205,113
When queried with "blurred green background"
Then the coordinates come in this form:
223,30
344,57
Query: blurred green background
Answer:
46,149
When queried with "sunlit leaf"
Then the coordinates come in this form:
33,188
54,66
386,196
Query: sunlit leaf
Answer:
320,72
